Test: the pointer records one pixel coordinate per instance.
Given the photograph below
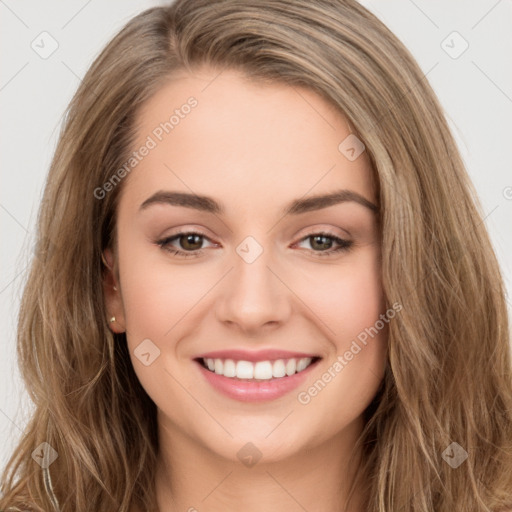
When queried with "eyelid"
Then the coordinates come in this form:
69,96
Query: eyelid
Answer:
326,229
310,232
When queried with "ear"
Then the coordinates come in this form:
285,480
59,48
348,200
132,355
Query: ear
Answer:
112,293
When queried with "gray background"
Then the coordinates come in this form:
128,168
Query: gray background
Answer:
475,90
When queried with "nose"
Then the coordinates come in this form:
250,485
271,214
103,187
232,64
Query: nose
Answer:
254,297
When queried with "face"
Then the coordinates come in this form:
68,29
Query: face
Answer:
257,270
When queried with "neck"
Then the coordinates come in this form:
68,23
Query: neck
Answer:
191,477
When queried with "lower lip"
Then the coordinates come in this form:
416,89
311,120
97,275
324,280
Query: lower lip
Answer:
255,391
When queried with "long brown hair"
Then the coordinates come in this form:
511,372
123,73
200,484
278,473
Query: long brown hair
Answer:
449,362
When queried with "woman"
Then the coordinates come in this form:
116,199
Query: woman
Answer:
263,280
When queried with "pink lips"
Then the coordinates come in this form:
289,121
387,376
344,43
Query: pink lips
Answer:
252,390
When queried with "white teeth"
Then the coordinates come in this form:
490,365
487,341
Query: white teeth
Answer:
244,370
229,368
278,369
291,366
301,365
262,370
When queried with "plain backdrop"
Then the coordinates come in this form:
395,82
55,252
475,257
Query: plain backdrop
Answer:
474,85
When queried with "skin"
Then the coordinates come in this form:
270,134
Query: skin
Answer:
254,148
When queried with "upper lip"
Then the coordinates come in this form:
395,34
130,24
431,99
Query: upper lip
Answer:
254,356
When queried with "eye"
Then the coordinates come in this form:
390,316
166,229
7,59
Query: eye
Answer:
190,242
322,244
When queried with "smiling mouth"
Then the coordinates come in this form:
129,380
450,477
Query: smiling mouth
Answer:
257,371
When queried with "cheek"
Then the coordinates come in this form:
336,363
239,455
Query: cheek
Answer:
348,296
360,302
156,293
351,304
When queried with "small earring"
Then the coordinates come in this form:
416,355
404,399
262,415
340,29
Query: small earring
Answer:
113,319
115,288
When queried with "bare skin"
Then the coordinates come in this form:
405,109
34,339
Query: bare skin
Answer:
254,148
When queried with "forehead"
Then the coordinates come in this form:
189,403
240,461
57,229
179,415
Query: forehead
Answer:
223,135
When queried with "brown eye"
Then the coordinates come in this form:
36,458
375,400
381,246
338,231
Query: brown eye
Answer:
184,244
190,241
321,242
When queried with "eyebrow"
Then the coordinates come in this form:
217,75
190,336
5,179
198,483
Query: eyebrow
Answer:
296,207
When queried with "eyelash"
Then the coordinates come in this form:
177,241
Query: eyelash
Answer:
343,245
